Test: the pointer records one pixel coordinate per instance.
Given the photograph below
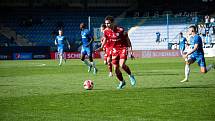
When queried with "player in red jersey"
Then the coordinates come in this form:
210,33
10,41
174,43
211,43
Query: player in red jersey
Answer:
107,54
118,43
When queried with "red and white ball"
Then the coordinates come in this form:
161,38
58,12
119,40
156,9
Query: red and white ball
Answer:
88,84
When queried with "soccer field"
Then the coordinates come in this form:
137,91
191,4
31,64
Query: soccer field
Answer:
40,90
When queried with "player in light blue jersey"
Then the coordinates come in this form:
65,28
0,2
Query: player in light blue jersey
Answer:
196,54
60,41
182,43
87,48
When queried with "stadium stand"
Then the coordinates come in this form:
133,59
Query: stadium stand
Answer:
36,22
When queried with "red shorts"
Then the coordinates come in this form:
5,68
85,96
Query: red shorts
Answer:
119,53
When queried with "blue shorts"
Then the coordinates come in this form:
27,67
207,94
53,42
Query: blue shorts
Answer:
60,49
200,59
86,51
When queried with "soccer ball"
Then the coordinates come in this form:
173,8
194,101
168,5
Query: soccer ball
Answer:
88,84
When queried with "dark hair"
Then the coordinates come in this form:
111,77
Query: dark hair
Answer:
193,27
110,18
83,25
103,25
181,33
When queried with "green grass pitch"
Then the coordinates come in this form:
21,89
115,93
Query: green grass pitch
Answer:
40,90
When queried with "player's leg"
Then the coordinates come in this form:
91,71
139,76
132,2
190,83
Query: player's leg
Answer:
93,64
202,64
115,61
189,61
105,59
109,63
128,71
64,57
90,55
186,72
210,66
60,56
122,61
83,54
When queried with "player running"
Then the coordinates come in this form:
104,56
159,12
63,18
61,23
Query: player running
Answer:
196,54
115,38
60,40
107,54
182,43
87,48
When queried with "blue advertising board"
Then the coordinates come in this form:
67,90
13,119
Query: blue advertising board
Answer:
22,56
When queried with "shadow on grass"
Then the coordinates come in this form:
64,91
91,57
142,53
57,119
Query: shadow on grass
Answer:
182,87
155,74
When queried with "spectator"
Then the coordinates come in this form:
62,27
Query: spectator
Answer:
201,29
213,24
208,39
158,37
207,18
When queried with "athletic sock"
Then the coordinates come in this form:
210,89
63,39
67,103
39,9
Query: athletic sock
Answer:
86,63
126,69
119,76
93,64
61,59
209,67
110,67
187,71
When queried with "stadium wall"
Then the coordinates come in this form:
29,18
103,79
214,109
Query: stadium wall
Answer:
24,53
156,53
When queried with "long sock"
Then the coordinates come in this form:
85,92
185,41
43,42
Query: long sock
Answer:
86,63
209,67
119,75
126,69
64,57
61,58
93,64
110,67
187,71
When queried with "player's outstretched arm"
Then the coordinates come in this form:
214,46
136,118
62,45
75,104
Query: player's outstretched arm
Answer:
55,41
68,43
130,46
104,41
91,41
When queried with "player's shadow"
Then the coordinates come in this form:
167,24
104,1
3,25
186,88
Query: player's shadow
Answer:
183,87
155,74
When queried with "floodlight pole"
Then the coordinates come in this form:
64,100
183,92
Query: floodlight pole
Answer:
167,25
89,22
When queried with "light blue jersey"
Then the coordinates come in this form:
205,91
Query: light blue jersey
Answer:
182,43
60,40
198,55
86,38
197,40
208,39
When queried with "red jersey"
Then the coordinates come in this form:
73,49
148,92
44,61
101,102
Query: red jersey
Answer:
125,41
115,38
102,39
